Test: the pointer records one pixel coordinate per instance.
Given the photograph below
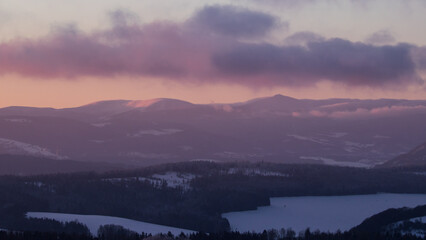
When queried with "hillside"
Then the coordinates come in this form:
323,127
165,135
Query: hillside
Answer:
342,132
401,220
415,157
27,165
191,195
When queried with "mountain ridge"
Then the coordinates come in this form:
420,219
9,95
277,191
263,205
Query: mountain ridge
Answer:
342,132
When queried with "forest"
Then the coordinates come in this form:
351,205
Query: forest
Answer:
215,188
117,233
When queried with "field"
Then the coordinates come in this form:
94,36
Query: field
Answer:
93,222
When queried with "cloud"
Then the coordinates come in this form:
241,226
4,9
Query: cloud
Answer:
285,3
234,21
381,38
336,60
123,17
184,52
419,57
302,38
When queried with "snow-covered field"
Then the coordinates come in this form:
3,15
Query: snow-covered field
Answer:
326,213
93,222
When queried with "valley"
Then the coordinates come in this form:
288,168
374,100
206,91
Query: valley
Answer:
199,195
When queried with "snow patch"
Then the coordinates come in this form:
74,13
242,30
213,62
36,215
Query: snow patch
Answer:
310,139
171,179
235,155
204,160
16,147
18,120
413,231
336,134
332,162
354,146
93,222
147,155
102,124
174,179
154,132
359,145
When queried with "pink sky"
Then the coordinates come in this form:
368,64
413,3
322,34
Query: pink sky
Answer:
216,52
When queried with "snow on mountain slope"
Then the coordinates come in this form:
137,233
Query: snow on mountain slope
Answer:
156,132
10,146
160,104
17,120
104,110
332,162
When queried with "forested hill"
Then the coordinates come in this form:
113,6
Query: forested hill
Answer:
190,195
387,220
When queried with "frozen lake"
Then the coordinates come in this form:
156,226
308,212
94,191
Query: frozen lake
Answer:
93,222
326,213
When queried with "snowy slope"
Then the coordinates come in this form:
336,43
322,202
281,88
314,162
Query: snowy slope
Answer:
10,146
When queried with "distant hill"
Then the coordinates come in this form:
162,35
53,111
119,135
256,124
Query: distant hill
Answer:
415,157
27,165
342,132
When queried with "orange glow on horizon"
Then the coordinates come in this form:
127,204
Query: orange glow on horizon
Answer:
18,91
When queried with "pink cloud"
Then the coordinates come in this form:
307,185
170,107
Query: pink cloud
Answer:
209,51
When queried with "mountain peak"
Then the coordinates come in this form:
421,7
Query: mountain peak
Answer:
159,104
282,97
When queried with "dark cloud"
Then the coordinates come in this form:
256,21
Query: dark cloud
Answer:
183,52
123,17
302,38
337,60
419,57
234,21
380,38
285,3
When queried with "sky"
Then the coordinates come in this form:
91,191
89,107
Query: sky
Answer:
62,53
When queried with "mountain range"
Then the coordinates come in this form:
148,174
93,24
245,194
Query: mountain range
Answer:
343,132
